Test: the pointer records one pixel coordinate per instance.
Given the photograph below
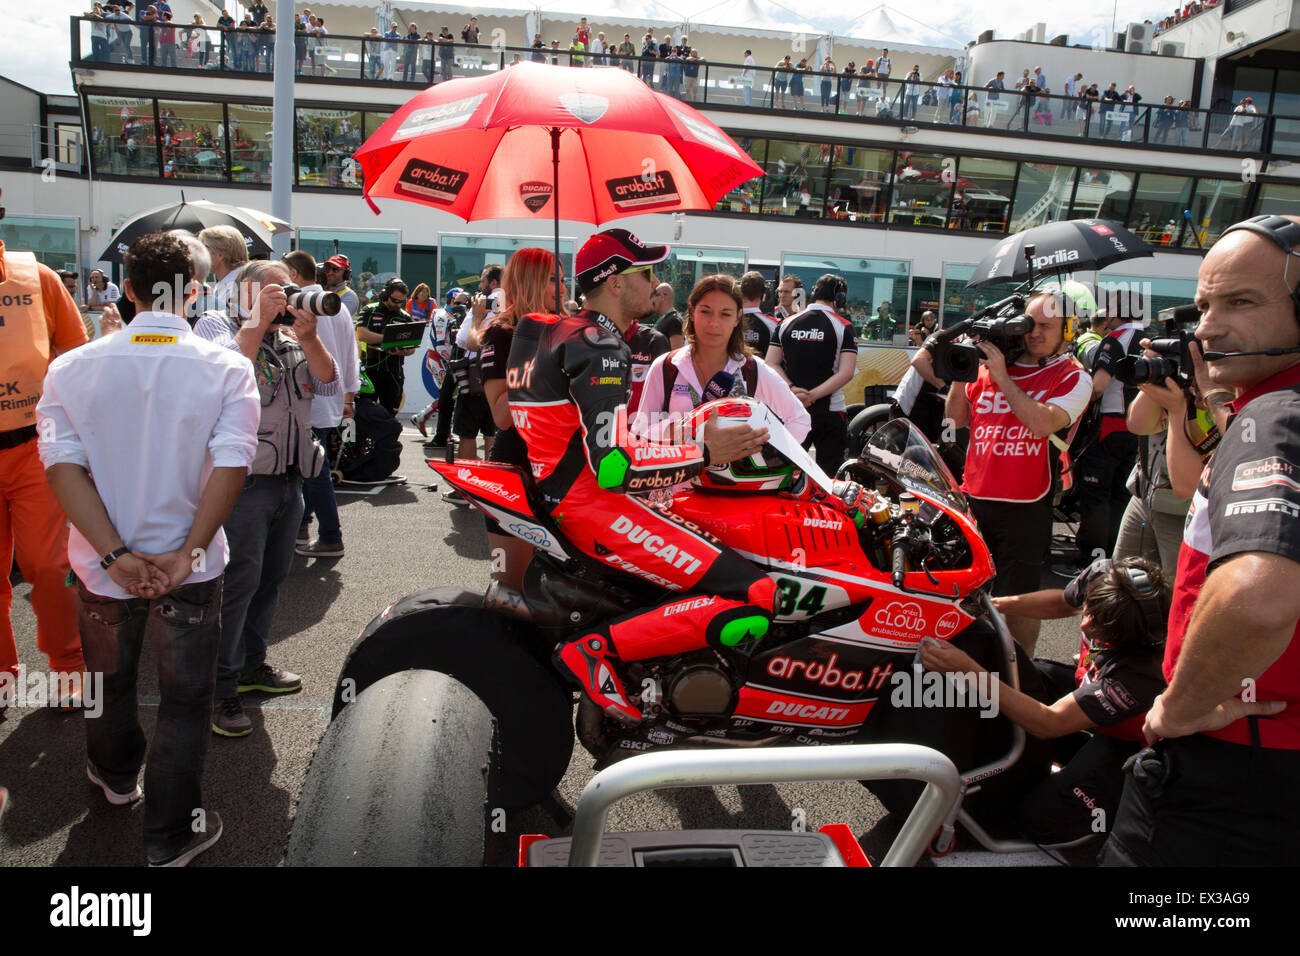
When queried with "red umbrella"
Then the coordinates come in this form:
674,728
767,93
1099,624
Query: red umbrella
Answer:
494,148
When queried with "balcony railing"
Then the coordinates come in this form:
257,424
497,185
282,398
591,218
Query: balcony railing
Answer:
791,90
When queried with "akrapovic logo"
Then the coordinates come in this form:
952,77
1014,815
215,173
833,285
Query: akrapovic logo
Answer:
431,181
634,192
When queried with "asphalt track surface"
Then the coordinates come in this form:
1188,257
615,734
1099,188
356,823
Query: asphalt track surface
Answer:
403,539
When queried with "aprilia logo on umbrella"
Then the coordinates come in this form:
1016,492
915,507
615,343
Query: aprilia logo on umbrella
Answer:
535,195
435,118
431,181
633,192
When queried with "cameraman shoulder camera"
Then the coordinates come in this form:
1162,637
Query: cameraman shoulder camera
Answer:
1012,411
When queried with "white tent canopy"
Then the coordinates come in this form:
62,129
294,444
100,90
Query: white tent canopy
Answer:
900,32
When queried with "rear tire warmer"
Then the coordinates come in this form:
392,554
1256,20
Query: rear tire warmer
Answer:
399,779
505,662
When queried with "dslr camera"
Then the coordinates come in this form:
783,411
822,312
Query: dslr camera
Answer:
1175,359
317,303
1003,323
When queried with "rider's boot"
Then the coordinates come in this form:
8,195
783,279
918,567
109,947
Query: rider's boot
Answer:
591,659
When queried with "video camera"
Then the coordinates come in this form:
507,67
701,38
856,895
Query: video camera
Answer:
317,303
1175,359
458,311
1004,324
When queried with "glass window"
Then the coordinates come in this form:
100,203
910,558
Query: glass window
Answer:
326,141
374,254
1253,82
122,136
250,143
686,265
1216,205
925,298
462,258
1158,204
859,186
745,196
1276,199
1101,194
1157,293
193,139
1042,195
877,303
796,179
52,239
960,301
922,187
374,121
981,200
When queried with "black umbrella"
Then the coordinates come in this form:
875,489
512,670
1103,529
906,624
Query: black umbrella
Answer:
1069,246
256,227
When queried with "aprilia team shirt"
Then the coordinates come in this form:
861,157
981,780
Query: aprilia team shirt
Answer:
811,344
760,331
1248,499
1006,462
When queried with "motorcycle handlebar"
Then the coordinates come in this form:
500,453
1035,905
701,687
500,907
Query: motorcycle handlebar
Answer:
900,559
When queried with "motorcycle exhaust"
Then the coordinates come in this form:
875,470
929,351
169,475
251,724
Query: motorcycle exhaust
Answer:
579,595
507,600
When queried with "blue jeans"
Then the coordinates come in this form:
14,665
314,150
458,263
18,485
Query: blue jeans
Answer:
184,629
262,530
318,497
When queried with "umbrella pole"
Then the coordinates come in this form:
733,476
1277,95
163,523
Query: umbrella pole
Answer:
555,200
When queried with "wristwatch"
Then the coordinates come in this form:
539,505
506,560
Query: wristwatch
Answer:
112,556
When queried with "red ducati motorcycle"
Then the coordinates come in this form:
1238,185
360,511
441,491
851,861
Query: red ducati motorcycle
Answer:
450,698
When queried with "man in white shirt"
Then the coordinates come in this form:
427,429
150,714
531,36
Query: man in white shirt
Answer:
747,77
167,423
327,412
100,292
229,254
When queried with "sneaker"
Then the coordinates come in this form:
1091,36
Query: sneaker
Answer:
438,441
454,497
229,719
320,549
269,680
199,842
590,661
304,533
418,422
115,797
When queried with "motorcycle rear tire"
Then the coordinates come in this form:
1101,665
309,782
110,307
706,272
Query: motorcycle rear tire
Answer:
505,662
399,779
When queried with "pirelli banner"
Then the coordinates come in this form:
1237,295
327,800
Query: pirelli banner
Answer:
878,365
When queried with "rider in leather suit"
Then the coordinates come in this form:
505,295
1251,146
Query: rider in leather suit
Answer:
568,380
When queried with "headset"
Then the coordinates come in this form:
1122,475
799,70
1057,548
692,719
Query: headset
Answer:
1147,595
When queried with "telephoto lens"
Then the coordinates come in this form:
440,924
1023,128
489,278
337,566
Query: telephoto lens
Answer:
317,303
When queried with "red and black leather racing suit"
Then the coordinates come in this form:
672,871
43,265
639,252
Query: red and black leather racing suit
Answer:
568,379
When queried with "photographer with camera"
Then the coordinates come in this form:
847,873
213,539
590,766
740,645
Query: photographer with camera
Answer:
1012,412
1103,468
1218,787
273,325
385,366
441,337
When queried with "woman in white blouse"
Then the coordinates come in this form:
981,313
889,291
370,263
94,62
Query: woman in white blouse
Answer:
714,363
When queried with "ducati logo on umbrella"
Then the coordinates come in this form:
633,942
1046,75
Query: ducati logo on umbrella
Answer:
535,194
431,181
585,106
436,118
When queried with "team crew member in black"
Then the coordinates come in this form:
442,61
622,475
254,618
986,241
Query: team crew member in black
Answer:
1125,606
1219,788
568,380
645,344
527,285
760,330
817,354
668,322
384,366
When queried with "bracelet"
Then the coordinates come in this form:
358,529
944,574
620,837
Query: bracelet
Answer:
112,556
